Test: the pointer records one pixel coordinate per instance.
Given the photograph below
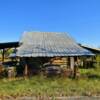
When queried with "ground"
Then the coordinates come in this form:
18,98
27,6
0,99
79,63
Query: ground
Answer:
88,84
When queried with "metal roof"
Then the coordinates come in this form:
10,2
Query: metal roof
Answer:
49,44
9,45
92,49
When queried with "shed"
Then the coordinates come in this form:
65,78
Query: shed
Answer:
50,44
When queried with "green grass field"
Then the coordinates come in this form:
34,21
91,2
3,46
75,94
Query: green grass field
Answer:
88,84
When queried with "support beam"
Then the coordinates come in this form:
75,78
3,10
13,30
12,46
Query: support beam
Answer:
26,70
3,54
73,66
72,63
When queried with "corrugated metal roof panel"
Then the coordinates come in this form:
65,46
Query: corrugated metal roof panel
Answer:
42,44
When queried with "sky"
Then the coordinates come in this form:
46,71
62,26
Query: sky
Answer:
79,18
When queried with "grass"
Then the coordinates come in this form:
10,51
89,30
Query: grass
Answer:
87,85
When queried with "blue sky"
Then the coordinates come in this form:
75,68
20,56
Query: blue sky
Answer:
80,18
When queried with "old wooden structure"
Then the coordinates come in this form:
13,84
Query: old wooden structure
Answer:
91,61
4,47
51,45
36,49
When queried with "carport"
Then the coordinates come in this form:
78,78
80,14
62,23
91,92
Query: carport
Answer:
7,45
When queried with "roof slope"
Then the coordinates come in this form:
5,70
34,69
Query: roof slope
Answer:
94,50
49,44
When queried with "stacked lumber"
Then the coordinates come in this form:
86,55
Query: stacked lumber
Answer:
60,61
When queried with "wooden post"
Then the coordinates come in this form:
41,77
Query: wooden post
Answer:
15,50
3,53
26,70
72,63
26,67
73,66
66,62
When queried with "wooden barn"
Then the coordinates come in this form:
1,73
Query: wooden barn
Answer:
50,48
